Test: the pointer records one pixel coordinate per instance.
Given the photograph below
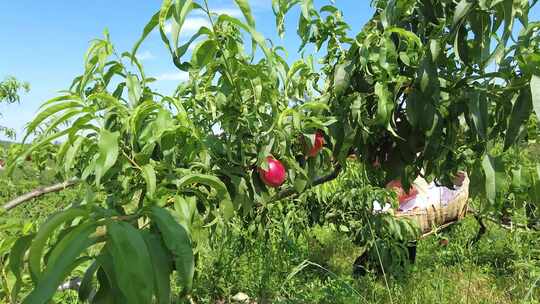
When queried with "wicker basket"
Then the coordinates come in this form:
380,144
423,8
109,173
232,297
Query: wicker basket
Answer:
437,215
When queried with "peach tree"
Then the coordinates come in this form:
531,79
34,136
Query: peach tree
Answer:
438,85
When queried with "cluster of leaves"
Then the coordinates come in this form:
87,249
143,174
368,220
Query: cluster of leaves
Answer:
10,89
350,205
156,170
427,85
516,185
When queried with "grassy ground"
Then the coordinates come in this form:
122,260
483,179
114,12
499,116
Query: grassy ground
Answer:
284,266
27,217
501,268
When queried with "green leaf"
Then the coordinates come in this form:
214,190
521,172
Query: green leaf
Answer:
131,262
182,8
38,145
16,259
300,183
341,78
65,237
534,184
385,104
48,112
420,110
203,53
535,92
163,16
306,7
68,97
149,27
410,36
246,11
520,114
508,11
137,63
177,241
44,233
134,89
254,34
428,76
489,172
241,197
62,119
435,48
72,152
208,180
161,266
478,108
140,114
185,210
108,153
329,9
184,47
517,179
86,287
70,247
296,66
108,292
462,9
149,175
104,294
460,45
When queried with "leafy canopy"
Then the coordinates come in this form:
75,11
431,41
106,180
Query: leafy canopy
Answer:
432,85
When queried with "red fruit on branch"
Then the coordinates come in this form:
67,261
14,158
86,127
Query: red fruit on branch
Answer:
275,175
317,144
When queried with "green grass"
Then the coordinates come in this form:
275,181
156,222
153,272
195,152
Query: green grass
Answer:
4,143
272,267
500,268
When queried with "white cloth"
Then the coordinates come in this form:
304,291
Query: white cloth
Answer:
378,208
433,196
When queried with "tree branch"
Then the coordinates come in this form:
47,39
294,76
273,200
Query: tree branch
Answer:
492,219
481,231
39,192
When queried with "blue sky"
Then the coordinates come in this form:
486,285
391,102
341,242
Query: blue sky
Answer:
43,42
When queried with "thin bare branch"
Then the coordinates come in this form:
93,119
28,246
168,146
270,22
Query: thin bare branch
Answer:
38,192
494,220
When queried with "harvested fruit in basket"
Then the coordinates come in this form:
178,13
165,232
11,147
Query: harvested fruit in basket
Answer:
403,196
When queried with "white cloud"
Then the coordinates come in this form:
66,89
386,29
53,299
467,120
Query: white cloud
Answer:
177,76
190,26
146,55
